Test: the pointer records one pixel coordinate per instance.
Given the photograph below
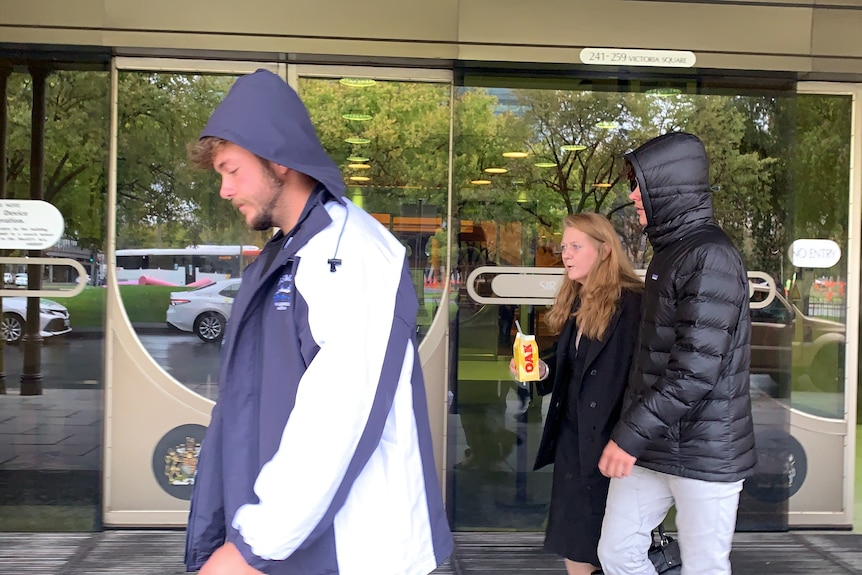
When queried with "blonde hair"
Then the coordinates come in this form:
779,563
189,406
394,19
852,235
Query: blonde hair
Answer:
602,288
201,152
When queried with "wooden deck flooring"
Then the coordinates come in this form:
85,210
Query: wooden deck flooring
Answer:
160,553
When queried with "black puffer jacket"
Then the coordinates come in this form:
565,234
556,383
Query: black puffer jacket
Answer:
687,411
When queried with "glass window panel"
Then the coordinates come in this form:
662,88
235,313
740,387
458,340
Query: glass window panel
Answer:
529,152
50,443
174,232
820,168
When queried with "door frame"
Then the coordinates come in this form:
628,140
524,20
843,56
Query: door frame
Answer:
847,425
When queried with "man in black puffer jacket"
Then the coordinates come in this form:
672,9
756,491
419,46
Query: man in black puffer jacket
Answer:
686,435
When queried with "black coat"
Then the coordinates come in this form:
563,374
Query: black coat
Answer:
687,410
600,389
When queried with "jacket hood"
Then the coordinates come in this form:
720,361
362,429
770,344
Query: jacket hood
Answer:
264,115
672,171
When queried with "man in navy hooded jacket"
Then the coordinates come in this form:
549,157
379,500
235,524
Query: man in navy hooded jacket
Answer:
318,458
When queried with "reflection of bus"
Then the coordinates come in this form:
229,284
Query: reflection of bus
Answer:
183,266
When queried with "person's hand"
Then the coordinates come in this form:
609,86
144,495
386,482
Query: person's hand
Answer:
227,560
543,369
615,462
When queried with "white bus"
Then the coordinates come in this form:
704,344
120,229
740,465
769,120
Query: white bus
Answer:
182,266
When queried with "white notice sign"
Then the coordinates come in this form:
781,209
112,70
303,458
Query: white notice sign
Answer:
627,57
810,253
29,225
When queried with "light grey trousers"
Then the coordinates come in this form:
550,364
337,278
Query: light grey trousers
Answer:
705,522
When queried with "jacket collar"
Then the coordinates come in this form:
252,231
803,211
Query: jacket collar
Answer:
260,276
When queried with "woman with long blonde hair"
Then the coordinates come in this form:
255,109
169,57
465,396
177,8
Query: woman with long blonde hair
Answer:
596,314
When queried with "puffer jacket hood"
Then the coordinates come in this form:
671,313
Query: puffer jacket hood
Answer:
673,173
262,114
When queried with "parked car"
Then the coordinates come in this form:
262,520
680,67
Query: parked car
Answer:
53,319
7,277
204,310
21,280
787,344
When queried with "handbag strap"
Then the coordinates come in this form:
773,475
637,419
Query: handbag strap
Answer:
663,539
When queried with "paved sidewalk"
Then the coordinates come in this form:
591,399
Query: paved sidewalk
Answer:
137,552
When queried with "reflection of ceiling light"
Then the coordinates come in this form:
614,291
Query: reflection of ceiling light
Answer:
480,182
601,185
545,164
496,170
359,166
357,82
573,147
359,178
607,125
357,117
663,92
357,140
357,159
515,154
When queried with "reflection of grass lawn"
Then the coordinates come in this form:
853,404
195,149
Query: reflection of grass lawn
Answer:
430,303
61,518
819,403
143,304
484,370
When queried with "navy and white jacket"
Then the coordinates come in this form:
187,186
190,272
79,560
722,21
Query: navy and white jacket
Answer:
318,458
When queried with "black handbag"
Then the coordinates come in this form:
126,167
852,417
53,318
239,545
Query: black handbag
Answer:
664,553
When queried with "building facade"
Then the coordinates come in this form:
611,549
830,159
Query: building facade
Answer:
469,129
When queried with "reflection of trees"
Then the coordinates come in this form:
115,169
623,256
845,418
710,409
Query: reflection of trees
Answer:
557,129
807,141
407,128
76,148
779,164
567,132
162,200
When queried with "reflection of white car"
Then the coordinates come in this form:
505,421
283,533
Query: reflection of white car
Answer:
53,318
21,280
203,310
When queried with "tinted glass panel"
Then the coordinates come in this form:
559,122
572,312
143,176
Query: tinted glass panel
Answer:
174,231
526,156
51,361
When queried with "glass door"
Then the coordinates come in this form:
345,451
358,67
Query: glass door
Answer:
824,253
528,152
179,250
173,262
51,352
